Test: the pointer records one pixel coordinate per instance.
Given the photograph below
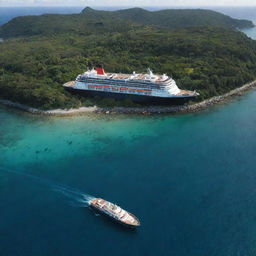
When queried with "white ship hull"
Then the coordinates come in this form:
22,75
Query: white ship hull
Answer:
142,88
146,99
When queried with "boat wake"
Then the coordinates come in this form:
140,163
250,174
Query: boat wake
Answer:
76,197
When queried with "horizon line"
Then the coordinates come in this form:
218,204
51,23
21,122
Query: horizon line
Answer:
129,6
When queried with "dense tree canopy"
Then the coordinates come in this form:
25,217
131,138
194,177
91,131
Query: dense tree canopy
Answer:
95,21
210,60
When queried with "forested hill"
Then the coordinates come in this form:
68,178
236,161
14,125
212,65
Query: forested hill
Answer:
210,60
173,18
91,20
56,24
43,52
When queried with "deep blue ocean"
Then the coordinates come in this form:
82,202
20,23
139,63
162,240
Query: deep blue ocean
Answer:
189,178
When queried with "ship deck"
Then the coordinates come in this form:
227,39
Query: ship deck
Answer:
69,84
136,77
125,217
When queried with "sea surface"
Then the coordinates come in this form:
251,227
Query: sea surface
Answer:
189,178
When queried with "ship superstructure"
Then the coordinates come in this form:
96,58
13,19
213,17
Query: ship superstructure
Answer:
138,87
115,212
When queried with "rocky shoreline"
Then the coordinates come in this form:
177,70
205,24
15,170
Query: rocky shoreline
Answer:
136,110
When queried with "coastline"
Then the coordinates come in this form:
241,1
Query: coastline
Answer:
136,110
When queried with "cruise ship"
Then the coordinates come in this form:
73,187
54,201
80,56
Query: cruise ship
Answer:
148,88
115,212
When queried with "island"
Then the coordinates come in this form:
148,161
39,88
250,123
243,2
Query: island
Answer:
202,50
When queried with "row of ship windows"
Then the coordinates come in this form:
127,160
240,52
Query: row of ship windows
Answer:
116,89
114,80
122,83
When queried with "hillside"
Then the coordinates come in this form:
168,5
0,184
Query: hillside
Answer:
210,60
43,52
55,24
91,21
173,18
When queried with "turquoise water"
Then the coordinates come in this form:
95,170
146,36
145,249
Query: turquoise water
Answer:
189,178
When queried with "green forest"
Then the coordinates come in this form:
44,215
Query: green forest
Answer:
41,53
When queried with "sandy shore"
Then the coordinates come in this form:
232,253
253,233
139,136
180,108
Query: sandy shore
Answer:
136,110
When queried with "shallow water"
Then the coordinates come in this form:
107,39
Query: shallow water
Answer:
189,178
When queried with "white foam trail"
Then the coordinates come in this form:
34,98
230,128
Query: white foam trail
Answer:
78,197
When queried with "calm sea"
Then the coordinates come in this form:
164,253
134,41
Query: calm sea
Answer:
189,178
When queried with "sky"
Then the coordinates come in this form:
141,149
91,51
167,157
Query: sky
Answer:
128,3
